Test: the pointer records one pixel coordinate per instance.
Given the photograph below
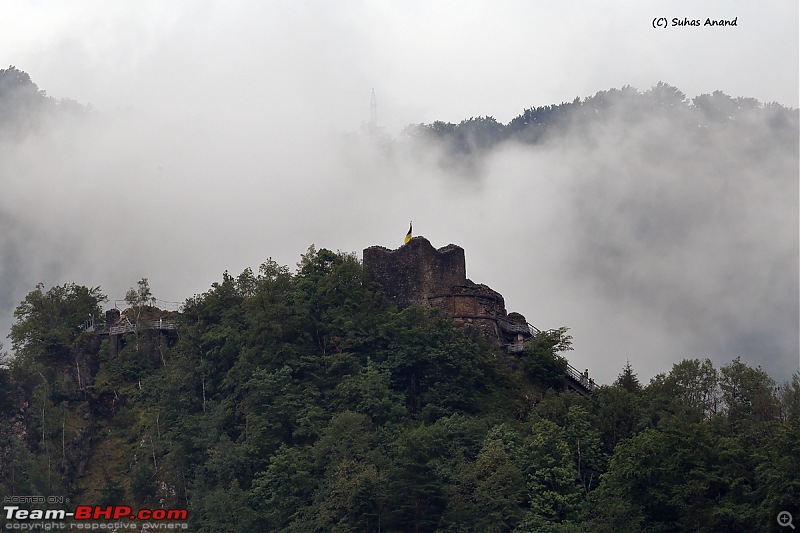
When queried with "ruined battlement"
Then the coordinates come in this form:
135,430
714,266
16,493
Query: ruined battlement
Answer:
416,271
419,274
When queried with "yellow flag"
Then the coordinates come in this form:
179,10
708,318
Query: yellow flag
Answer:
408,235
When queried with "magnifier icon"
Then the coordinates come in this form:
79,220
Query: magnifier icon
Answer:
785,519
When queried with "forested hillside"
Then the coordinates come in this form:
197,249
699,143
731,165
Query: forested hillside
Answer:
303,401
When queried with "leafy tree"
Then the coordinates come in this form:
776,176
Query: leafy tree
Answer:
541,359
585,443
283,489
224,509
499,498
279,409
618,410
778,472
748,394
48,322
352,492
417,498
789,398
139,299
21,101
432,364
716,107
690,392
111,491
618,415
343,307
5,382
217,327
142,483
18,466
553,491
679,479
370,393
666,97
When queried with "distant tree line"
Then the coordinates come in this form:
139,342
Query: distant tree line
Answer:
627,105
24,107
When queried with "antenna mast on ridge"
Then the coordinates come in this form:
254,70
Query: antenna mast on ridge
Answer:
373,111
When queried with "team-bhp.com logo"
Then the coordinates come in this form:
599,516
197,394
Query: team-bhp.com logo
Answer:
94,513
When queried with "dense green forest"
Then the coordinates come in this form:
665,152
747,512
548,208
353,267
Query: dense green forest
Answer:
304,401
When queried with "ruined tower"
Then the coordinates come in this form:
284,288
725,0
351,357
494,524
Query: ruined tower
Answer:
419,274
415,271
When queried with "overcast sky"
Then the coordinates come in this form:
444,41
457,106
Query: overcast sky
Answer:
219,145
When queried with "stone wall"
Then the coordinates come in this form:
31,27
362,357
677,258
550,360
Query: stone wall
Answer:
413,272
470,299
419,274
473,305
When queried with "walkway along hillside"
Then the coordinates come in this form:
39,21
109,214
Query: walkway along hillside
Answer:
118,323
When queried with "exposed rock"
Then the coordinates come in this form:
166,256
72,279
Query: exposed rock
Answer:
420,275
415,271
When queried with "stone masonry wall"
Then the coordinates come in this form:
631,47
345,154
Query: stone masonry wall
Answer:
419,274
415,271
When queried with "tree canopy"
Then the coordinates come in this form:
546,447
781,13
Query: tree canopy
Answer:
304,401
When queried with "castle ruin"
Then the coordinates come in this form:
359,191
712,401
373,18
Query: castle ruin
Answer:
419,274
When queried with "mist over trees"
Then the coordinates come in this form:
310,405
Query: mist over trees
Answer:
25,112
25,108
627,107
301,400
676,214
681,212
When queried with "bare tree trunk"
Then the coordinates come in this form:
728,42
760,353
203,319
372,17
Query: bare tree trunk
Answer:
153,446
64,440
204,393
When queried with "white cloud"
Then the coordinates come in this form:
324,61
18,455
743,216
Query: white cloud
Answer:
219,140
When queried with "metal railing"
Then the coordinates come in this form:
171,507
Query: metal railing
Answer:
166,305
147,324
88,325
572,373
584,380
